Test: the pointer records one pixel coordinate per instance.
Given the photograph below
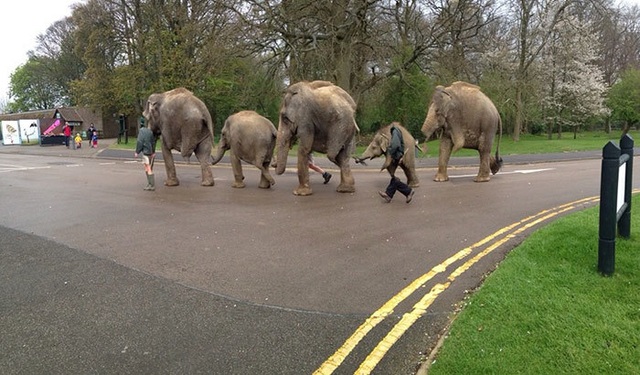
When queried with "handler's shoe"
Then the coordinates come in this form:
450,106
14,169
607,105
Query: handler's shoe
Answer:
386,197
326,176
410,196
152,183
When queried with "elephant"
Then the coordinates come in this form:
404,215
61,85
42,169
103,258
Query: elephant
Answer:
469,119
321,116
251,138
184,123
379,145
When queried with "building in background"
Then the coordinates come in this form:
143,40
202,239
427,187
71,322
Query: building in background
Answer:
45,126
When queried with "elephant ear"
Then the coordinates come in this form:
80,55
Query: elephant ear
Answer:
384,142
444,103
152,114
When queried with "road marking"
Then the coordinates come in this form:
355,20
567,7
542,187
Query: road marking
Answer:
519,171
501,237
527,171
15,169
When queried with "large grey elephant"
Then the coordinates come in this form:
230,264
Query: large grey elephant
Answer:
321,116
184,123
469,120
379,145
251,138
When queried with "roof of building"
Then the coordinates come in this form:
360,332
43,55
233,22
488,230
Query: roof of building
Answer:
40,114
69,114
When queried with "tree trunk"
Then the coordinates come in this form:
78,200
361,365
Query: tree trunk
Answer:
519,115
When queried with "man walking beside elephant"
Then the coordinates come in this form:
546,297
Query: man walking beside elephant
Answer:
396,151
146,145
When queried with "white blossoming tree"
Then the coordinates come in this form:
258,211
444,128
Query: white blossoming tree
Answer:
574,86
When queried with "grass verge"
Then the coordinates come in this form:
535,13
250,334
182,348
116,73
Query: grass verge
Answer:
528,144
546,309
539,144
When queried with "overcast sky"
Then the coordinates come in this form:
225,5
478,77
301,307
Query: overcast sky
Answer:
24,20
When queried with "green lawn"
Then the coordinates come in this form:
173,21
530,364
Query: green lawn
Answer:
539,144
546,309
528,144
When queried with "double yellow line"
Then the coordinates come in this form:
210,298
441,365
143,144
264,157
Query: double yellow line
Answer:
491,242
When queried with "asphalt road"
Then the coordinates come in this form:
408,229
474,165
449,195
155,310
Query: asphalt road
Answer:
99,276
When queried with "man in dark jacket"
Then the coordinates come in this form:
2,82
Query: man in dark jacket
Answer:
396,150
146,145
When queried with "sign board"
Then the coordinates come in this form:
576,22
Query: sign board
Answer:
29,131
10,133
622,176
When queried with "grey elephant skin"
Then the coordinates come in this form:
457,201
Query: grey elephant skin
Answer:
469,119
184,124
251,138
379,145
321,116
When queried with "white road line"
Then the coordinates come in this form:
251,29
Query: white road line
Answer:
519,171
16,169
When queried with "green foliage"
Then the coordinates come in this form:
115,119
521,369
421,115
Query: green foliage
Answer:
403,98
242,84
33,86
624,98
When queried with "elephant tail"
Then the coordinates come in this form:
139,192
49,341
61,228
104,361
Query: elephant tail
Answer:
496,162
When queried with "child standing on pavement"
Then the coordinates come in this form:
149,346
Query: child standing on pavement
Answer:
78,140
94,140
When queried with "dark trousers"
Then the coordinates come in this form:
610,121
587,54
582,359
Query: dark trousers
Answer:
397,185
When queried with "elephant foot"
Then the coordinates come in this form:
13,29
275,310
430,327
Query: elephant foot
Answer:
481,179
344,188
172,182
414,184
441,178
207,183
238,185
303,191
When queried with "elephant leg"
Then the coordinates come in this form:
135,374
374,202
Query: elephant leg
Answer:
484,173
412,176
266,181
392,169
347,182
446,145
204,157
170,167
303,188
236,166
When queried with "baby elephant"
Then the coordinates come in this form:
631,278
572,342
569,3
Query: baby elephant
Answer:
379,145
251,138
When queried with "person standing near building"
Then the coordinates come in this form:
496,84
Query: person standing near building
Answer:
396,150
78,140
94,139
90,131
66,130
145,146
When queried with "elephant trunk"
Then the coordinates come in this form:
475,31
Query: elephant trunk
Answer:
219,154
366,155
282,154
430,123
